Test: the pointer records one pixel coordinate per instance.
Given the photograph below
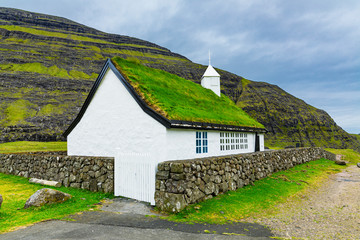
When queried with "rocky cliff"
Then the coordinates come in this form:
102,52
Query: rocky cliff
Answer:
48,65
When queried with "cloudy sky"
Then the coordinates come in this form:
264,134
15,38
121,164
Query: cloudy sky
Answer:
311,49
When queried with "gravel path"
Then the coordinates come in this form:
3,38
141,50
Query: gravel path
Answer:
330,212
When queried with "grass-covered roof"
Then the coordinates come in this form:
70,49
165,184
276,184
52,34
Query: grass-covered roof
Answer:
176,98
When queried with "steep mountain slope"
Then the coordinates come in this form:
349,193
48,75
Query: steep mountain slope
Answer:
290,120
48,65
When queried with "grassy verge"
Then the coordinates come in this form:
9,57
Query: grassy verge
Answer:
348,155
262,198
25,146
16,190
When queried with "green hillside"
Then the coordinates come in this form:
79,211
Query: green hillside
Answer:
48,65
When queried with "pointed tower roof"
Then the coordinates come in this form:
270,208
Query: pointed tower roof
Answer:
211,72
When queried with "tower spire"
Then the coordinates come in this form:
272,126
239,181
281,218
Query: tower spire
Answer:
209,58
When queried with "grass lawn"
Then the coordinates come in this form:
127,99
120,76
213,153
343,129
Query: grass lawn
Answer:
28,146
16,190
262,198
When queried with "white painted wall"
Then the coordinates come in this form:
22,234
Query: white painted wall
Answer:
212,83
115,124
181,144
262,142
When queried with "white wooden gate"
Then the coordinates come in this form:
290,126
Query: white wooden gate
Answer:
134,176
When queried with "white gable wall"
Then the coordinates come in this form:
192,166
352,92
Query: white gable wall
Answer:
114,124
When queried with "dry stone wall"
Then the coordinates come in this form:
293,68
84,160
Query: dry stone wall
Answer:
180,183
91,173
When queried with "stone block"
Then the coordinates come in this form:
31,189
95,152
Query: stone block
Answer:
108,187
217,179
176,167
72,178
85,185
91,174
162,175
161,167
232,185
75,185
157,185
177,176
170,202
93,185
66,182
86,169
97,174
46,196
340,162
206,178
45,182
209,188
223,187
194,195
175,186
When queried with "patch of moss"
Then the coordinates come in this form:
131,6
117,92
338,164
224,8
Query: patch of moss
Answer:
17,112
81,75
245,82
51,109
34,31
41,69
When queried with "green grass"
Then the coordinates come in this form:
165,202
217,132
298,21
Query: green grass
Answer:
357,136
25,146
179,99
349,155
69,35
262,198
41,69
16,190
52,34
51,109
17,111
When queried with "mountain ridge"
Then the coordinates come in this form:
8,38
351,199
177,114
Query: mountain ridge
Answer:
48,65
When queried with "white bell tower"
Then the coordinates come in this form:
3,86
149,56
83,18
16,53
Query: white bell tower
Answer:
211,79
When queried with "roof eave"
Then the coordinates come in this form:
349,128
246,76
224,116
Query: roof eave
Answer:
214,126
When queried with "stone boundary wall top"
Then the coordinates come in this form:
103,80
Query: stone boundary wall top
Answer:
180,183
91,173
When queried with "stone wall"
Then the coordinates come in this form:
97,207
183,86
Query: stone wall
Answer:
91,173
180,183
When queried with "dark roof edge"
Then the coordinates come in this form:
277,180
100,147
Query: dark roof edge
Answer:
164,121
87,100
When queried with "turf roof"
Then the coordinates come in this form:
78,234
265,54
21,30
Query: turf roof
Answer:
176,98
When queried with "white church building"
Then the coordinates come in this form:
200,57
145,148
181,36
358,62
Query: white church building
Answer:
115,119
143,116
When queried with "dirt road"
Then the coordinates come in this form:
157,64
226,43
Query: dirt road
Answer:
330,212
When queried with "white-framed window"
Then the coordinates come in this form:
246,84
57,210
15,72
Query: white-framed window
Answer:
201,142
233,141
